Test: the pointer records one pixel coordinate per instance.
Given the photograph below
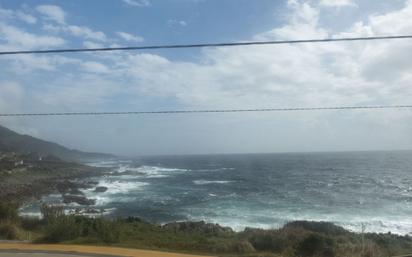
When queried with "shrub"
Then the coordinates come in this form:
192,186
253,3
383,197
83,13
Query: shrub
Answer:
268,241
31,224
226,246
8,232
134,220
371,250
67,228
315,245
8,212
107,231
326,228
243,247
60,229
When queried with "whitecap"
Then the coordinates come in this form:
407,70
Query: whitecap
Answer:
103,164
206,182
121,187
34,214
150,171
117,191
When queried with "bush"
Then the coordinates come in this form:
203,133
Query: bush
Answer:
60,229
243,247
67,228
315,245
107,231
31,224
268,241
326,228
8,212
9,232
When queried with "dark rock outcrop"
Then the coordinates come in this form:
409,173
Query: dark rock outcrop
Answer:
79,199
68,187
100,189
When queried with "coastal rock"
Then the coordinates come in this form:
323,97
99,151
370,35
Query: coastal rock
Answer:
86,184
68,187
79,199
86,211
100,189
200,226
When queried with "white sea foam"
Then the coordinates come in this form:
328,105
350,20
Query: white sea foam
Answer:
117,191
401,226
120,186
84,212
150,171
215,169
103,164
206,182
28,214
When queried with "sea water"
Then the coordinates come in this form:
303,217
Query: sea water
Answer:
263,190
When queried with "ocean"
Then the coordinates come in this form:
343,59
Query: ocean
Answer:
261,190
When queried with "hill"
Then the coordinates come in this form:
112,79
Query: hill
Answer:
11,141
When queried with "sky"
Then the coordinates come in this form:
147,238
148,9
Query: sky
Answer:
304,75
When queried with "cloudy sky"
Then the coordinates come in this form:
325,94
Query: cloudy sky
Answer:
307,75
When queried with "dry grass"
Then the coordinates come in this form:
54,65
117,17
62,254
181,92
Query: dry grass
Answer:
93,250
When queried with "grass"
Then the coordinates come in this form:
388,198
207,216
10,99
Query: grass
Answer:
295,239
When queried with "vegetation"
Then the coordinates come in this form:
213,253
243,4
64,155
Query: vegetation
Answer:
11,141
9,221
295,239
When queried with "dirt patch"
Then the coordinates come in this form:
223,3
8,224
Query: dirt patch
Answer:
116,251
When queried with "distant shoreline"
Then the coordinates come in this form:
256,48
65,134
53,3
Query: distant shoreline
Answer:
26,183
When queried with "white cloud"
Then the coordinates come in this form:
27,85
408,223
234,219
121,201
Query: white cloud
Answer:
332,74
173,22
95,67
79,91
77,31
11,95
338,3
129,37
301,75
138,3
91,44
24,65
6,14
52,12
85,32
303,22
16,38
287,75
26,17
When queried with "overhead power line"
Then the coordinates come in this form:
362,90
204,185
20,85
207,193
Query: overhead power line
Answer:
154,47
207,111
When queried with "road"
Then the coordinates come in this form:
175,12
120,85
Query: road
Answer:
38,250
40,254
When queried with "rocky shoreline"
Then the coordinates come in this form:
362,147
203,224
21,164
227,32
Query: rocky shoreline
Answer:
29,181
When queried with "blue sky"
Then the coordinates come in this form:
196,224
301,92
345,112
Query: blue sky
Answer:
170,21
362,73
